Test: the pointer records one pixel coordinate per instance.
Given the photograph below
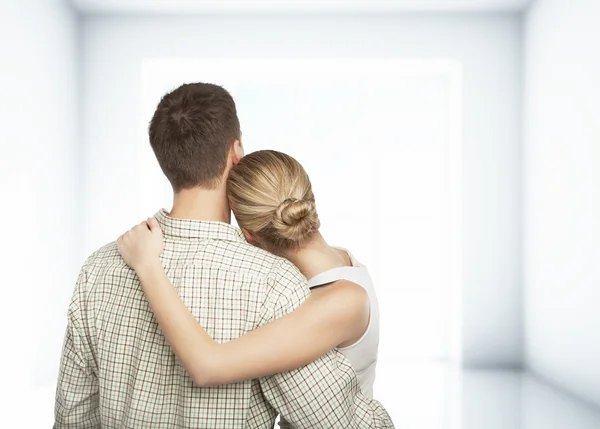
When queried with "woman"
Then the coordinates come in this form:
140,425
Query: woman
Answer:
272,199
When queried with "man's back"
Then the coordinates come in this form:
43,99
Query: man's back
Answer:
222,280
118,371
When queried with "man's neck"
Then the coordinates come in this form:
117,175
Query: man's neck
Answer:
201,204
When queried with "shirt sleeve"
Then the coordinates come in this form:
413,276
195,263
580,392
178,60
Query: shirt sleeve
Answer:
77,397
324,393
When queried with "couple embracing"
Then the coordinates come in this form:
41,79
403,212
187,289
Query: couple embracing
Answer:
188,322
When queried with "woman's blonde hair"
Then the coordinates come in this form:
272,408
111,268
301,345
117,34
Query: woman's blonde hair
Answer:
271,197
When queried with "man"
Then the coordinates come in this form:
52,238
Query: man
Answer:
117,370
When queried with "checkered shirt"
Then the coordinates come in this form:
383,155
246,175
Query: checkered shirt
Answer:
118,371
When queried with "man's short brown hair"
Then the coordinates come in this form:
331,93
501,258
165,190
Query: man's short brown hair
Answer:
191,133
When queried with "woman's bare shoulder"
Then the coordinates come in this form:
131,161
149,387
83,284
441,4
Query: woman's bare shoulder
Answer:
346,292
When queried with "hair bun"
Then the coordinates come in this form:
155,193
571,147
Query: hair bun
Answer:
295,219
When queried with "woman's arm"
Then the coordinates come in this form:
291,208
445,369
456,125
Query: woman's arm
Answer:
328,318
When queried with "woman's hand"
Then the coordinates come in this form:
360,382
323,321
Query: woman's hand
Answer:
142,245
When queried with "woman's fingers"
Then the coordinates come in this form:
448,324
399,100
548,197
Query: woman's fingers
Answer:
138,229
147,225
153,225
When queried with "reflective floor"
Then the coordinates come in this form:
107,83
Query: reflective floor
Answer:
438,397
521,401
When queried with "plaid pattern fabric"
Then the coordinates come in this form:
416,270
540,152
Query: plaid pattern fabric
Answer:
118,371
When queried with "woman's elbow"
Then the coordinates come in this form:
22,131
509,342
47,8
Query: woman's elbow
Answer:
206,375
202,380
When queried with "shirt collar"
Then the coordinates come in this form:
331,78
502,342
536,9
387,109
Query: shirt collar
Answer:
197,229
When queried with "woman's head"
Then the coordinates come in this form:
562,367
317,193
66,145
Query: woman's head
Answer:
271,197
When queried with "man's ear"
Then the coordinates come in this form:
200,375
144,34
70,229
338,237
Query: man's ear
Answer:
249,238
237,152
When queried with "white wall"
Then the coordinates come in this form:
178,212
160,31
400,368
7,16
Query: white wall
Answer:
39,165
562,193
487,46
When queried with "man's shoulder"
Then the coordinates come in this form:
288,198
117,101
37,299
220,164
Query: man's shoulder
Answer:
285,284
254,260
105,255
274,267
282,277
286,290
104,260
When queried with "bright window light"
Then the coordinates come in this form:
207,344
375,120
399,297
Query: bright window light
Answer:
381,141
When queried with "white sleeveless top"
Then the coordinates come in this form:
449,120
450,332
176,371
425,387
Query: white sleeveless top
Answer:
363,353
